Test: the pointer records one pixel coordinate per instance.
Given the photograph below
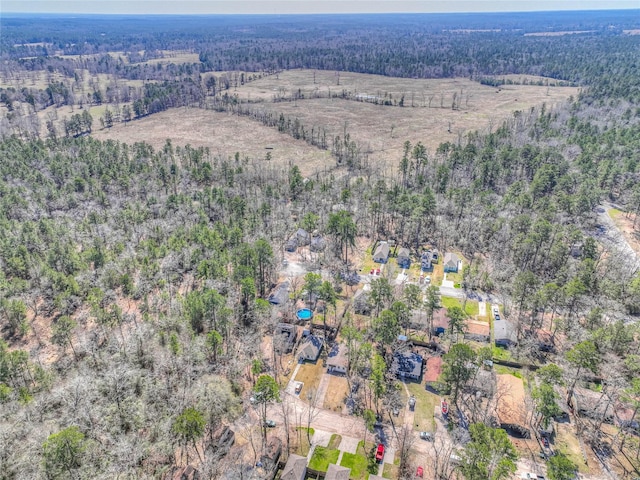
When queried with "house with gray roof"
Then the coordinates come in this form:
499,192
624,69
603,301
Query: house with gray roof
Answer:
381,255
451,263
295,468
336,472
310,349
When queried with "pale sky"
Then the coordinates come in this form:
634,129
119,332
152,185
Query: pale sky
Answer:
305,6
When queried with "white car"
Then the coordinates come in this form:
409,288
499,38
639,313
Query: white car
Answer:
495,310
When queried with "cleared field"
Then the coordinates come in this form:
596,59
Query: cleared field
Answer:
224,135
382,130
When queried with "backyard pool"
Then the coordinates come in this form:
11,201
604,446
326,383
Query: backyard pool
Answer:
304,314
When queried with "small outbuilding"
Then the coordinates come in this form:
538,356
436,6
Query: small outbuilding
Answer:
381,255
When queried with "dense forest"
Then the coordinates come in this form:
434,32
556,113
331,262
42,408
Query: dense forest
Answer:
134,281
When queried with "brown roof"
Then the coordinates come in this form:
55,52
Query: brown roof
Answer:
335,472
434,369
511,409
295,469
478,328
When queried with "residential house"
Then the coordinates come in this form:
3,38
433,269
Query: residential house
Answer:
303,237
272,453
337,361
295,468
336,472
381,255
310,349
511,409
285,337
504,333
451,263
440,322
407,365
592,404
361,303
404,258
280,294
318,244
432,372
478,331
426,261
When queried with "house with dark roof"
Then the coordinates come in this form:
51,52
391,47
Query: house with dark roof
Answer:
426,261
284,337
407,365
310,349
381,255
295,468
404,258
280,294
336,472
337,361
318,244
451,263
303,237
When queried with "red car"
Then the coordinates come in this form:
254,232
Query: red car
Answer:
380,453
419,472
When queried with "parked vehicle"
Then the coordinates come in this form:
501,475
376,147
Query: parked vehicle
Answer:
380,453
420,472
270,423
426,436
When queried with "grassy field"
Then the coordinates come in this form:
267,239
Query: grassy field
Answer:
300,441
568,443
322,457
310,374
471,307
425,404
223,134
336,393
357,462
384,129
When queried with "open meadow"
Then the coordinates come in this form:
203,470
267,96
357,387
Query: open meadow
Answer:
381,130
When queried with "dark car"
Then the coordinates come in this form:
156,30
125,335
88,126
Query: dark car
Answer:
545,442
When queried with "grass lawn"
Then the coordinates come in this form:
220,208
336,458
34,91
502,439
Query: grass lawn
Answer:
456,278
614,212
310,374
501,369
471,307
334,441
568,443
301,442
437,275
500,353
390,471
357,463
425,404
322,457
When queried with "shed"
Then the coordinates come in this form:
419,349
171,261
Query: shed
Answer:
451,263
336,472
510,409
337,361
381,255
310,349
295,468
404,258
280,294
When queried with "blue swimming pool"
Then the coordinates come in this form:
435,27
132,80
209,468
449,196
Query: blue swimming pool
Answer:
304,314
